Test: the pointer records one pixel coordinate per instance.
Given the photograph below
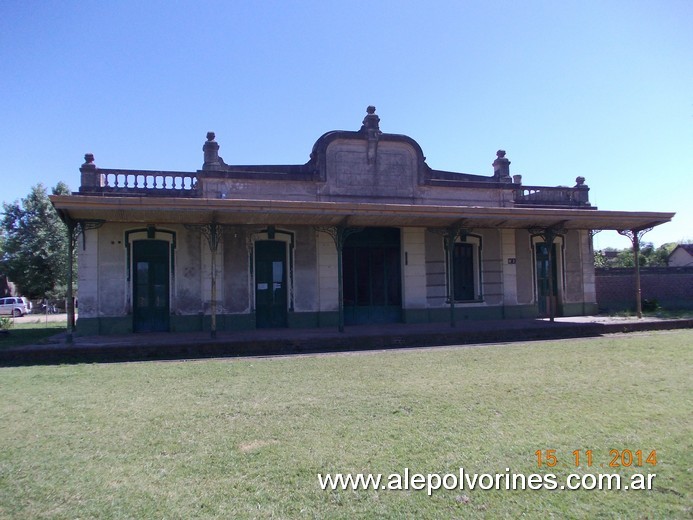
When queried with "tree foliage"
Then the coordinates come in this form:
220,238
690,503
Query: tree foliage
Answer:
600,259
34,244
649,256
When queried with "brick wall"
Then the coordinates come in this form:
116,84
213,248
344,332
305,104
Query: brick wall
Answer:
672,287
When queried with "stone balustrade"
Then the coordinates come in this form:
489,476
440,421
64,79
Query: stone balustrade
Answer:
139,183
552,196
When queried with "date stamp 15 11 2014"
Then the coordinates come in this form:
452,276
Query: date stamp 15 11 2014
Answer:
616,459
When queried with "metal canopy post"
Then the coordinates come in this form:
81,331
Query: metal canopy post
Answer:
549,237
339,235
635,236
449,242
450,235
213,232
74,228
71,241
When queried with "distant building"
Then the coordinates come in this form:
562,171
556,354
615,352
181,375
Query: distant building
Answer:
610,256
681,256
365,232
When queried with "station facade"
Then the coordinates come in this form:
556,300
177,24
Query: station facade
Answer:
364,232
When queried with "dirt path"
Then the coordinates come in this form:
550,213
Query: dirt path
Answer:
41,318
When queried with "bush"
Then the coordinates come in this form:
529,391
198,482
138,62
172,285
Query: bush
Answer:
5,324
650,305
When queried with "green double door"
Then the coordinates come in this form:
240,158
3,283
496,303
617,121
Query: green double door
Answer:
372,277
547,293
151,285
271,288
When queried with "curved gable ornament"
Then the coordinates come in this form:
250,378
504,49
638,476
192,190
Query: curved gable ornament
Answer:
368,162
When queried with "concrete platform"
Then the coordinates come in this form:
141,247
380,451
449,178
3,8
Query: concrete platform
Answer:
160,346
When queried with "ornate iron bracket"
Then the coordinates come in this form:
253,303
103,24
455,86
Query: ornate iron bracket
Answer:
339,235
635,236
450,234
593,232
548,234
213,232
81,226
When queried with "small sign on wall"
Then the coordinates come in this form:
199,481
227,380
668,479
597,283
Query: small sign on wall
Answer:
512,261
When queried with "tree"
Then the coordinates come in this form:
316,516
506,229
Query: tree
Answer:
649,256
34,253
662,253
600,259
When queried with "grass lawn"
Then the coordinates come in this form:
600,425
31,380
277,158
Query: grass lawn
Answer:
247,438
36,332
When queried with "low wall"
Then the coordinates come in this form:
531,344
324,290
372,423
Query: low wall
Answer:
672,287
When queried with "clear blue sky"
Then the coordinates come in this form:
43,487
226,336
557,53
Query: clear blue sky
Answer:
601,89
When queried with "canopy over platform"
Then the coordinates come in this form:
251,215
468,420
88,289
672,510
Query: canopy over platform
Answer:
308,213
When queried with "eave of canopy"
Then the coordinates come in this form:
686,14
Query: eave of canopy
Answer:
160,210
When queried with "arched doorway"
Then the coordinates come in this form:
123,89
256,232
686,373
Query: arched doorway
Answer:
548,291
271,284
151,285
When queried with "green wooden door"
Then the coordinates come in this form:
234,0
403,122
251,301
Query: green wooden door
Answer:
371,277
543,295
151,283
270,284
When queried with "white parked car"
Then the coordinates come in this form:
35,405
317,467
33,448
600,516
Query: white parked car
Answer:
15,306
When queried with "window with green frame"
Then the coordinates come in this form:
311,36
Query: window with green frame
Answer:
463,271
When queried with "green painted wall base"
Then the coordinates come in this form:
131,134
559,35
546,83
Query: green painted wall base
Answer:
104,326
199,323
186,323
415,315
579,309
462,313
521,312
308,320
303,320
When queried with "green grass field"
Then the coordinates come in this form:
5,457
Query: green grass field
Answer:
36,332
247,438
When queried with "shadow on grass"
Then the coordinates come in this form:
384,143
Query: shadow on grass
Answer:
34,334
171,346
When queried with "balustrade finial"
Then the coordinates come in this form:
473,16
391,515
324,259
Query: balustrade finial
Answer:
371,123
88,161
501,166
212,161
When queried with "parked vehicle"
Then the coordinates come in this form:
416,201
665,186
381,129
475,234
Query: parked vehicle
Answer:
15,306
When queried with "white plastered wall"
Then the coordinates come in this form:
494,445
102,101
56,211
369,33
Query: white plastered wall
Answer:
414,268
588,276
88,273
509,266
113,294
328,292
